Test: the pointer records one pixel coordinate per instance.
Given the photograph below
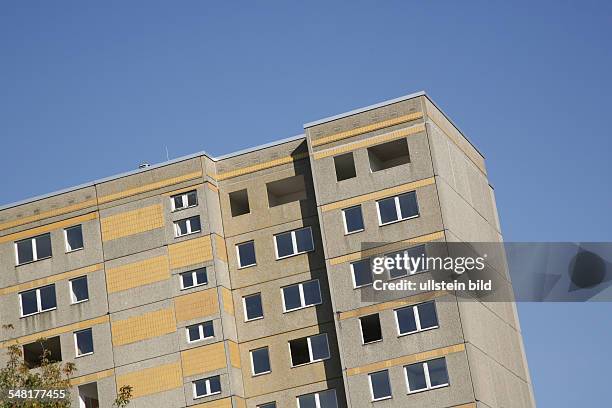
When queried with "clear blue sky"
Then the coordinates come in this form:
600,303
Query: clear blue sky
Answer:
90,90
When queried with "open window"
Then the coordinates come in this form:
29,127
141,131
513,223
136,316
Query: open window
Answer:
309,349
33,352
88,396
370,328
345,166
286,190
387,155
239,202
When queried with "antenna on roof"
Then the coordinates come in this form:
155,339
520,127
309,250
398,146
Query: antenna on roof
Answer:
143,165
167,155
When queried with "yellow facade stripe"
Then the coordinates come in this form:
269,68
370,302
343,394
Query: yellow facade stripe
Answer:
132,222
377,195
261,166
212,187
152,380
234,352
149,187
469,405
368,128
48,214
221,250
50,279
405,360
240,402
137,274
183,190
56,331
228,301
395,246
190,252
220,403
143,327
32,232
197,304
203,359
85,379
393,304
385,137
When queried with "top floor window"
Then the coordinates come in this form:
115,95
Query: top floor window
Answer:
33,249
185,200
293,242
74,238
397,208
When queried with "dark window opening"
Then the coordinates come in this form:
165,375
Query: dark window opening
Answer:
239,203
33,352
286,190
387,155
299,351
345,166
88,396
370,328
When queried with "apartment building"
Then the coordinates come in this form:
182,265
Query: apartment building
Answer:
235,281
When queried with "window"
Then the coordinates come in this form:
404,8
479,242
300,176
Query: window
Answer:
362,273
426,376
414,254
416,318
33,352
370,328
239,203
397,208
293,242
185,200
33,249
260,361
79,291
387,155
187,226
200,331
353,219
301,295
83,342
309,349
246,254
268,405
206,387
74,238
286,190
345,166
323,399
196,277
380,386
88,396
37,300
253,308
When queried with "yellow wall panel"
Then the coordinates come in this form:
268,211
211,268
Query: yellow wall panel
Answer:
132,222
220,403
221,250
152,380
197,304
143,327
137,274
190,252
234,352
203,359
228,303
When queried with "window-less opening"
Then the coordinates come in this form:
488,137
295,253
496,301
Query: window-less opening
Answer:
353,219
293,242
37,300
387,155
286,190
301,295
74,238
83,341
260,361
200,331
361,272
345,166
323,399
427,375
88,396
397,208
416,262
185,200
370,328
253,308
412,319
187,226
79,292
33,352
206,387
246,254
197,277
33,249
239,202
380,386
309,349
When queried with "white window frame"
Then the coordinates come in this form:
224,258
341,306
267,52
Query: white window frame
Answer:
353,275
68,250
240,266
206,386
427,378
302,298
398,209
316,396
253,373
76,345
246,318
200,332
34,252
417,319
193,277
308,341
346,231
363,343
372,388
184,200
293,243
177,230
73,300
38,301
